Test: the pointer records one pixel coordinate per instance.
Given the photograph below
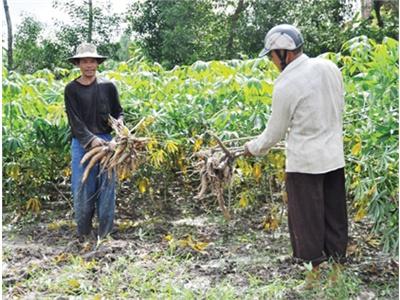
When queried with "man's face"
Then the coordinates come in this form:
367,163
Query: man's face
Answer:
88,66
274,57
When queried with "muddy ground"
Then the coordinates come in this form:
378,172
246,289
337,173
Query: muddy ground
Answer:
168,249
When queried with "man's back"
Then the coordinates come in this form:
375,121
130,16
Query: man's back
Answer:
313,90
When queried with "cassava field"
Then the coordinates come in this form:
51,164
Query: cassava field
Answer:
168,243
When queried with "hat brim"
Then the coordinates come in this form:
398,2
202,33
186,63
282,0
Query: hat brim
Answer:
99,58
264,52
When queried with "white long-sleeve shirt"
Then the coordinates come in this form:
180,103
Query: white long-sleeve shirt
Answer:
307,105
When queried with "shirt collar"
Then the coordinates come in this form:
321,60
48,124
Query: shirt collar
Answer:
294,64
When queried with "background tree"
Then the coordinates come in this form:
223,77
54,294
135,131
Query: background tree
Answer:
377,19
89,22
181,32
177,31
9,36
32,51
90,17
241,6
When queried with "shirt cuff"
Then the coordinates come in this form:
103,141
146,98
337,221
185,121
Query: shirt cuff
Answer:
87,145
253,148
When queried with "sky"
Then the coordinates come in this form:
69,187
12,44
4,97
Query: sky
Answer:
42,10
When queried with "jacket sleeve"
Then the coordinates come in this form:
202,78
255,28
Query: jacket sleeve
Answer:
78,127
116,109
276,129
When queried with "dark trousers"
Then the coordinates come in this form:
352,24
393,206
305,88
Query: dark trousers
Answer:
317,215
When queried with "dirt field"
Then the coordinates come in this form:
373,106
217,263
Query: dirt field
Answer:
167,251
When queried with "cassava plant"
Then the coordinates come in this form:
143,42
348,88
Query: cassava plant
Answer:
230,98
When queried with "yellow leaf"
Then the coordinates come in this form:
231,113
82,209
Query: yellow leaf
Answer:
183,243
285,197
279,160
126,224
73,283
123,173
34,205
197,144
62,257
347,139
274,224
361,213
281,175
67,172
125,131
152,144
171,146
146,123
143,184
169,237
14,171
245,167
213,143
195,245
372,191
157,157
200,246
54,226
356,149
257,171
244,201
182,166
357,169
355,183
372,241
271,223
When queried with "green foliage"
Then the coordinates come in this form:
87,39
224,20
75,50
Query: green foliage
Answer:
370,72
176,32
35,142
182,32
322,31
231,98
33,52
106,25
371,28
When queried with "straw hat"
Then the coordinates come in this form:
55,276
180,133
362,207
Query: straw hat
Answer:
86,50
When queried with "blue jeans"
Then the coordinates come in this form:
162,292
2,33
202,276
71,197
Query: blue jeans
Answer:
97,193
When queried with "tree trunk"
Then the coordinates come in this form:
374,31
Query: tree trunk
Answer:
234,18
389,5
90,25
9,37
377,8
366,8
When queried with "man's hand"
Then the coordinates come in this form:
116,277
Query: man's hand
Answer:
112,144
120,121
97,142
246,150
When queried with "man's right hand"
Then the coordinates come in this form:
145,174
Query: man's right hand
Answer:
246,150
97,142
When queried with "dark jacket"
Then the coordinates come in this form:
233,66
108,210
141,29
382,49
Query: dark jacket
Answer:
88,108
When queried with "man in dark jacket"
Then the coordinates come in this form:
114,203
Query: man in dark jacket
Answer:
89,101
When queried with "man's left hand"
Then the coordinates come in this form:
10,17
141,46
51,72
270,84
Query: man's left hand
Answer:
120,122
112,144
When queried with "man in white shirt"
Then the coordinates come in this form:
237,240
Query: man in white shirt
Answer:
307,107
